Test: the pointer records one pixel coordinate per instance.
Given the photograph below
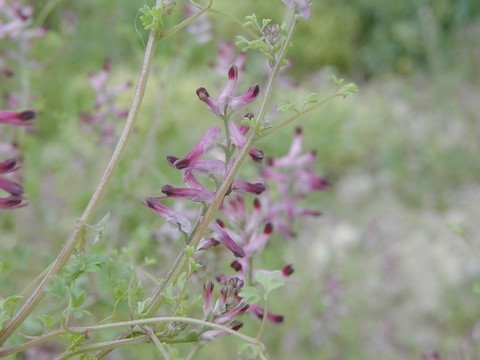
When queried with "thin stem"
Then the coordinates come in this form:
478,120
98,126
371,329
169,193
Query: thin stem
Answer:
32,342
80,229
107,345
158,344
276,70
274,128
46,11
264,321
130,323
235,20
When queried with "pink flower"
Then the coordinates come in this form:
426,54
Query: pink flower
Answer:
171,216
227,102
259,312
225,239
17,118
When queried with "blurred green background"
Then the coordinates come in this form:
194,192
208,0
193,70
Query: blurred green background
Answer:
391,269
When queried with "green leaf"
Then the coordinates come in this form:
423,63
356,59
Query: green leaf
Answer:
121,289
149,261
142,306
48,321
181,279
189,250
311,98
57,287
284,107
152,18
11,300
1,266
269,280
251,294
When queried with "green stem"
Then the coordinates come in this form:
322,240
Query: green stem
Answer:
80,229
264,321
276,70
274,128
89,329
46,11
235,20
158,344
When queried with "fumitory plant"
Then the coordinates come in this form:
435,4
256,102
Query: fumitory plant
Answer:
217,214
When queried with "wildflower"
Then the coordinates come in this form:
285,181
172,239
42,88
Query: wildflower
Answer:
302,7
226,240
17,118
194,164
294,178
227,102
16,199
259,312
226,310
169,215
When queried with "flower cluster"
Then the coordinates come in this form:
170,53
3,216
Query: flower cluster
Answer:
194,164
294,178
245,230
10,166
106,108
225,311
226,102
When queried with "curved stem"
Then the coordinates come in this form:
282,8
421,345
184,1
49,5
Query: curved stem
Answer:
89,329
264,321
80,229
235,20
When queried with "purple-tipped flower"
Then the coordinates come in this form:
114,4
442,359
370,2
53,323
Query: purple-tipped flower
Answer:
247,187
302,7
226,240
206,143
22,118
259,312
16,199
194,194
226,309
171,216
227,102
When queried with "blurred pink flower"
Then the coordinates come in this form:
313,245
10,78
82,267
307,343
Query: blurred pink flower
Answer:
226,101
